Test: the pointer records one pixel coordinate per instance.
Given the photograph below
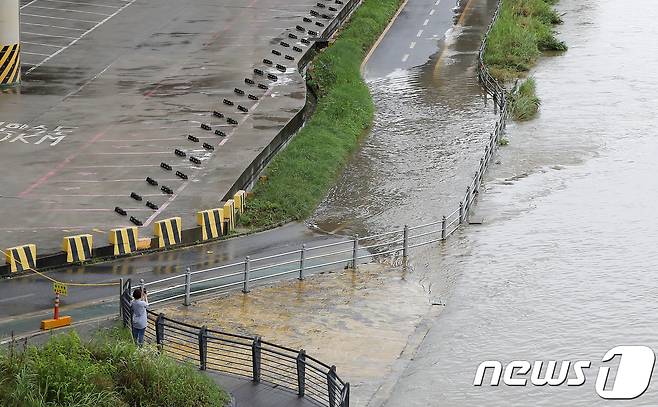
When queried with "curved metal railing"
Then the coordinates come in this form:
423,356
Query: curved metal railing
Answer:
243,356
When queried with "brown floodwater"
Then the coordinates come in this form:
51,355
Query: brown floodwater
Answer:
563,267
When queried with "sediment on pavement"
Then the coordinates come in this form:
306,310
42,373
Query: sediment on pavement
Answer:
301,175
523,31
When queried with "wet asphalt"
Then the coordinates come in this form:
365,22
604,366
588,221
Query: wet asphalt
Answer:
111,90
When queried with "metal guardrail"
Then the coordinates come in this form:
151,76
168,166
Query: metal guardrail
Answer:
244,356
263,361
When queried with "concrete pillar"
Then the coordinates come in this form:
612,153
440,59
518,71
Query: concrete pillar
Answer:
10,62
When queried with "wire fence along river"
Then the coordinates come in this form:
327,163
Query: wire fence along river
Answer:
262,361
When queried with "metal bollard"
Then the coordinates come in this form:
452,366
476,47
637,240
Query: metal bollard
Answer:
245,286
355,251
443,228
405,242
302,260
188,283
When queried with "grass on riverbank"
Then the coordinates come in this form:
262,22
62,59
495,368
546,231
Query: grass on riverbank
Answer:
299,177
523,30
106,372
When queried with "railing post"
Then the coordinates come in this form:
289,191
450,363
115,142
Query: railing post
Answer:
443,228
346,395
120,297
302,260
159,331
203,347
461,212
301,373
188,284
355,252
331,386
245,285
255,359
405,242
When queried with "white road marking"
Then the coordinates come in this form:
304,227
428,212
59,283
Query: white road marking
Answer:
85,33
72,181
426,22
52,26
98,209
43,45
432,12
135,153
70,10
18,297
148,139
420,32
405,57
49,35
82,3
412,45
33,1
437,2
95,195
88,82
34,53
59,18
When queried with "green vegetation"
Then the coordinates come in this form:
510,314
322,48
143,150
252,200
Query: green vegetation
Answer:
107,371
524,102
300,176
523,31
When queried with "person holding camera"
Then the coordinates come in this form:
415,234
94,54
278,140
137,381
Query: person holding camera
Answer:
139,305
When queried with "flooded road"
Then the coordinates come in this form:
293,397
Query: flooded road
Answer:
564,266
430,129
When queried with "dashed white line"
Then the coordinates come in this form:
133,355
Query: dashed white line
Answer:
59,18
426,22
420,32
52,26
412,45
437,2
405,57
83,34
71,10
432,12
49,35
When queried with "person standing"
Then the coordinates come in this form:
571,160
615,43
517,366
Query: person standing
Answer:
139,305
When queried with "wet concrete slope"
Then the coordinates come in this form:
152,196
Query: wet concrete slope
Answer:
101,110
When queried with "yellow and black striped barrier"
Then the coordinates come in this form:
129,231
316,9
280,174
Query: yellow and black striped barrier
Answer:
240,199
10,64
77,248
21,258
168,231
124,240
229,216
211,222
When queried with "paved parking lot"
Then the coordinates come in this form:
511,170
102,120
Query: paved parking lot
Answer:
112,92
48,27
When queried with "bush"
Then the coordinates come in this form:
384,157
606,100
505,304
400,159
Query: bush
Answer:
108,371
